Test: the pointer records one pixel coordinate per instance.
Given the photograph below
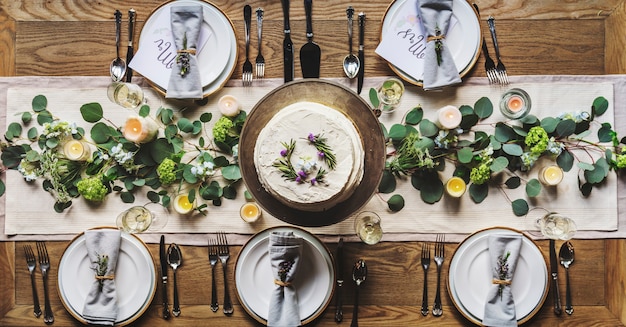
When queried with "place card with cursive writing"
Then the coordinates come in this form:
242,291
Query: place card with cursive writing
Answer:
157,53
404,42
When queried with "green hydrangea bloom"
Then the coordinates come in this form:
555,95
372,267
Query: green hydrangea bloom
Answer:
480,174
222,128
537,140
620,160
92,189
165,170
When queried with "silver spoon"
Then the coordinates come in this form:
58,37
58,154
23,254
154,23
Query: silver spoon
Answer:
118,65
351,62
566,255
359,273
175,260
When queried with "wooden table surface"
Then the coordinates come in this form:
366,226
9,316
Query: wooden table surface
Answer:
537,37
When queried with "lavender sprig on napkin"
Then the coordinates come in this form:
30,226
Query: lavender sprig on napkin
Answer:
184,80
285,250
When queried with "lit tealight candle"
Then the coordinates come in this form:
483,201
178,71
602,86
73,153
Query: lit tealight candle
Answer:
449,117
551,175
515,103
250,212
455,187
76,150
229,105
139,130
182,205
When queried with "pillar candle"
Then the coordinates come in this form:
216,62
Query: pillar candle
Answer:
449,117
139,130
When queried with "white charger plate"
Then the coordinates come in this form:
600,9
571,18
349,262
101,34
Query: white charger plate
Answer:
135,280
315,280
470,276
463,39
218,56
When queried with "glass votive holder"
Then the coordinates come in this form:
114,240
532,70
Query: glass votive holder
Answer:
515,103
551,175
390,94
250,212
127,95
367,227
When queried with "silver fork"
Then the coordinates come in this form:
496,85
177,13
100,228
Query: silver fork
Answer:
213,261
425,265
260,61
501,70
44,265
31,262
490,66
224,255
439,256
246,76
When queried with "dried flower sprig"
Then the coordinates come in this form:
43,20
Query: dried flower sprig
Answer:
503,271
438,44
283,269
183,57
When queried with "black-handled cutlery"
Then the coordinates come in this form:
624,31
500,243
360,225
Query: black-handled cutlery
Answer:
339,265
310,53
164,265
554,272
130,49
287,45
361,52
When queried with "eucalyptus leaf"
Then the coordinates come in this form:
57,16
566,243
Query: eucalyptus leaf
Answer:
605,133
565,160
44,117
585,189
585,166
197,127
127,197
432,189
206,117
465,155
513,182
499,164
596,175
91,112
373,94
512,149
469,121
144,111
397,132
600,105
533,188
387,183
520,207
428,128
395,203
466,110
32,133
478,193
229,192
26,117
188,176
549,124
529,120
504,133
39,103
232,172
14,130
3,188
185,125
483,107
414,116
565,128
153,196
100,133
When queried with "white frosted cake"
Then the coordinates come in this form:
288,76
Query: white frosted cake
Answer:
309,156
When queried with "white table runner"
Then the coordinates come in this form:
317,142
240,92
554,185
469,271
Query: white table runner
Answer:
29,210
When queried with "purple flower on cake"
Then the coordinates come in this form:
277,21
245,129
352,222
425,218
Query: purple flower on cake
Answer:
313,181
312,137
321,154
283,152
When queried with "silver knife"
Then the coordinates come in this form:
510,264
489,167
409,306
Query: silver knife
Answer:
164,266
554,269
339,266
361,52
287,45
130,51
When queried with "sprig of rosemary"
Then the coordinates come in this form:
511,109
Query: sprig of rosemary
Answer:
283,269
101,266
183,57
503,270
324,150
438,45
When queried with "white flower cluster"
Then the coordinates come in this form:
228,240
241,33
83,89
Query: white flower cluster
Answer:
306,165
26,169
122,157
555,147
203,169
445,138
59,129
577,116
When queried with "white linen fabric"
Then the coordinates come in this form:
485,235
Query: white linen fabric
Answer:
101,302
500,306
435,17
186,23
285,250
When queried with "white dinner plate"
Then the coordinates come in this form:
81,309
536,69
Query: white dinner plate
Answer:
470,276
315,280
463,39
135,280
217,57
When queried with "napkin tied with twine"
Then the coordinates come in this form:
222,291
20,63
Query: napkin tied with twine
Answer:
185,80
100,306
439,67
504,251
285,250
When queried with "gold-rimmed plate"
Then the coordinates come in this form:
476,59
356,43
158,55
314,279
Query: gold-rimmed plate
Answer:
335,96
315,281
470,276
135,278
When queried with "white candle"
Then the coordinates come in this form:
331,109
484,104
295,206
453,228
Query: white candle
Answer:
551,175
229,105
449,117
76,150
455,187
139,130
250,212
182,205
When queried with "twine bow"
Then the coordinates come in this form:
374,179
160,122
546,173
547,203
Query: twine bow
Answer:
436,37
501,282
282,283
98,277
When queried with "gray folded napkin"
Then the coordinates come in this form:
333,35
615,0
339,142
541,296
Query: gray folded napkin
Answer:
285,250
500,307
439,67
185,78
100,306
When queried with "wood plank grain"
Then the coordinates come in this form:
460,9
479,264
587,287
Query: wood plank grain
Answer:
7,277
614,41
7,44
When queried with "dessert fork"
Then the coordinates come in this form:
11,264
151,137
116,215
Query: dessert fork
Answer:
44,265
260,61
224,255
246,76
500,69
425,264
213,262
439,256
31,262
